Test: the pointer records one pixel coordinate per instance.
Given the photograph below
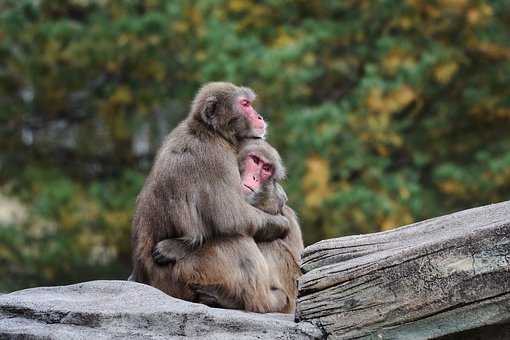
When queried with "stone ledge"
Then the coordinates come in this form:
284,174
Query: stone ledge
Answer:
130,310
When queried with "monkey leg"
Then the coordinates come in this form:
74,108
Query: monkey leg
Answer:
217,296
231,274
214,296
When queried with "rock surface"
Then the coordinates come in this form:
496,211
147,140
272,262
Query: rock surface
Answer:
129,310
439,277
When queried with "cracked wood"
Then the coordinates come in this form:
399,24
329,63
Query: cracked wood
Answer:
433,278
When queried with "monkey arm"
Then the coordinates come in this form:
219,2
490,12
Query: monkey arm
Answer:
294,239
231,215
171,250
272,232
203,194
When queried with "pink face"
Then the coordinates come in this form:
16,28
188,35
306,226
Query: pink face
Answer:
256,121
256,172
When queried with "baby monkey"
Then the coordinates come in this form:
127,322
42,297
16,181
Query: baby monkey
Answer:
235,272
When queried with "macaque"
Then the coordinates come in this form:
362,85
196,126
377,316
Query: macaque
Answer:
282,255
193,190
236,272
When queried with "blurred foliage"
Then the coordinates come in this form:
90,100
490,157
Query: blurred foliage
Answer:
386,112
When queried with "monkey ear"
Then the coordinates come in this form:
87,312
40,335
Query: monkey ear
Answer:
209,109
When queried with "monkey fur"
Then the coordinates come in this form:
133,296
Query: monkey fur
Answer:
237,272
193,192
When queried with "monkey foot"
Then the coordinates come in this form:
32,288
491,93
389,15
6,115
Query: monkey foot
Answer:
206,295
162,259
213,296
169,251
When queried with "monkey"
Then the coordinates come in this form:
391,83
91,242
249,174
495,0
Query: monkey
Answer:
235,272
282,255
193,189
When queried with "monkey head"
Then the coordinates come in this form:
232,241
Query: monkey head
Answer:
227,109
261,171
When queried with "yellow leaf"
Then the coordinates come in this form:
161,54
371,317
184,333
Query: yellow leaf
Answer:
122,95
156,70
316,182
375,100
404,193
118,219
123,39
239,5
457,5
503,113
309,59
154,39
452,187
405,23
392,102
395,60
382,150
479,15
491,50
112,67
387,224
180,26
400,216
282,40
444,72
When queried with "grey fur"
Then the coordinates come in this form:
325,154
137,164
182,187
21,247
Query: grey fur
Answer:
236,272
193,190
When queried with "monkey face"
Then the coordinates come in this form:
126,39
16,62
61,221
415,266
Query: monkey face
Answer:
259,186
261,170
257,170
255,121
227,109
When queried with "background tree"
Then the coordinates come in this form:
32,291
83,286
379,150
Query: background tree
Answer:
386,112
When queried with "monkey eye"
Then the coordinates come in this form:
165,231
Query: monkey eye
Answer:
255,159
245,103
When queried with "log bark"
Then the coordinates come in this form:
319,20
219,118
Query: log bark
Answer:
434,278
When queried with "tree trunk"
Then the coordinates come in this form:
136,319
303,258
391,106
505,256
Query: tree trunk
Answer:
434,278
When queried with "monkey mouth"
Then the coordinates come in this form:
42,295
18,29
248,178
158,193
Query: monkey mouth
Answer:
249,187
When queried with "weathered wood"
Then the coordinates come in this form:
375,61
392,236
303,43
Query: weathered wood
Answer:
429,279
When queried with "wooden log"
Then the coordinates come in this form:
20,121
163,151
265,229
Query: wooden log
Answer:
433,278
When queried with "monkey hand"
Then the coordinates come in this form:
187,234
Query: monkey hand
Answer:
278,227
206,294
169,251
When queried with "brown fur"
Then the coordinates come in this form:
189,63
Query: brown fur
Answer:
193,191
227,273
237,272
283,259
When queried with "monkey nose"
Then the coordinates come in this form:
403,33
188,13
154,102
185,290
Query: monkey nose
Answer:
260,117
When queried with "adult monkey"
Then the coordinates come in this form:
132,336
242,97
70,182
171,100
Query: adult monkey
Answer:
193,189
236,272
